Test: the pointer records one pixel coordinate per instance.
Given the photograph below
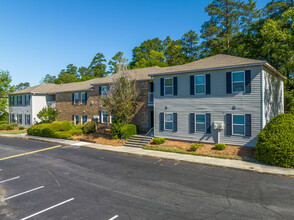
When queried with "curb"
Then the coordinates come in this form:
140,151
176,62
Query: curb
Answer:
217,162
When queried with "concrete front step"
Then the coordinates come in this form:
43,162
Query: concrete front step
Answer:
137,141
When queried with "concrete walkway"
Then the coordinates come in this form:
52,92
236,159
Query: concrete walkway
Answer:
235,164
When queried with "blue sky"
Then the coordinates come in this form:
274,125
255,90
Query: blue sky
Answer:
40,37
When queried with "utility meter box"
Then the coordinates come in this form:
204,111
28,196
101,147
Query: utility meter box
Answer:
218,125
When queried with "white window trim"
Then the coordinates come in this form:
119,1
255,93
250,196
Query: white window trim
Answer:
237,81
75,98
83,93
238,124
200,123
172,121
102,93
172,86
102,113
199,84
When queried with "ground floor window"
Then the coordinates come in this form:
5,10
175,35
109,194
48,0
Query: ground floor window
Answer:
19,119
77,119
104,117
239,124
200,123
168,121
84,119
27,119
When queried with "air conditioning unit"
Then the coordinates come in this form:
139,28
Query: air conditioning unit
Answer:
218,125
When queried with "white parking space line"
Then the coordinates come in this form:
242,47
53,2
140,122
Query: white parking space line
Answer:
80,143
114,217
31,190
44,210
14,178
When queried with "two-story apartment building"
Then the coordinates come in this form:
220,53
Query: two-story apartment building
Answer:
217,99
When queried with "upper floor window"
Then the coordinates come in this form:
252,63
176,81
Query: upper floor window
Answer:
27,99
200,84
19,100
200,123
239,124
103,90
83,98
238,82
76,98
168,86
168,121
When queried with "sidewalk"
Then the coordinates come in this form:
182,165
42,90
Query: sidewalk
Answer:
235,164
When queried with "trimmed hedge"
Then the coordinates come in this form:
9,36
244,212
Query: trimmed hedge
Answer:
220,146
21,128
61,126
275,143
8,126
89,127
128,131
158,140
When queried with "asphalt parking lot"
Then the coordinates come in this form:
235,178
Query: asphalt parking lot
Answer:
40,180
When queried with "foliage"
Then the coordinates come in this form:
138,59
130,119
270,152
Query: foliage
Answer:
8,126
97,67
5,88
61,126
122,99
47,114
275,143
116,128
128,131
21,86
21,128
220,146
194,146
115,60
89,127
158,140
4,118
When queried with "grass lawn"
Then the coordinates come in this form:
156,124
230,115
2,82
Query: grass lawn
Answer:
13,132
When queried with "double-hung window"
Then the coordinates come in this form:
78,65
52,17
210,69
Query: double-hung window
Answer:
19,119
27,99
200,123
239,124
104,117
83,98
28,119
238,82
200,84
77,119
168,121
168,86
76,98
103,90
19,100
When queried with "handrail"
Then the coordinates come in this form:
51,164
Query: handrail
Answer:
146,135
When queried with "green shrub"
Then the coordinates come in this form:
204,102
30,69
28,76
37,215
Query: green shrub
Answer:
8,126
61,126
63,135
128,131
3,122
158,140
75,132
47,132
90,127
4,118
220,146
194,146
21,128
79,126
116,127
275,143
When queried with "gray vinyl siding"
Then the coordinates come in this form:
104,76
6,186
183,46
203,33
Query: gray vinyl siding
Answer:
218,104
273,95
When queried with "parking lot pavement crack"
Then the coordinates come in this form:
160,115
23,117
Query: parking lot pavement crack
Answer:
269,209
55,179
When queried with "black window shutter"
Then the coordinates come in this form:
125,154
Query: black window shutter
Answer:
248,125
73,117
86,98
162,86
25,99
25,119
21,100
229,124
100,89
175,80
161,121
208,123
229,82
175,121
100,117
29,99
207,79
192,123
73,98
247,81
192,85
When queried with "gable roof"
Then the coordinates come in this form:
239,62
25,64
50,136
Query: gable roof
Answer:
215,62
